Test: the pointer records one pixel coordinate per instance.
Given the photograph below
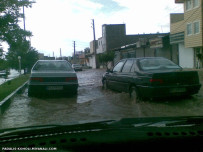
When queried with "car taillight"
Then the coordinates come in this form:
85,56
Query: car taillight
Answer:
156,81
71,79
36,79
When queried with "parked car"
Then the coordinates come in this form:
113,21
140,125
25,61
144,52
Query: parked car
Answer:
77,67
4,73
151,77
52,76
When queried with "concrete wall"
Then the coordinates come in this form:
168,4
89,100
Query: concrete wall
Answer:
92,62
139,52
149,52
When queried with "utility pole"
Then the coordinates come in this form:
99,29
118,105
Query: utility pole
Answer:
24,17
74,51
94,42
60,54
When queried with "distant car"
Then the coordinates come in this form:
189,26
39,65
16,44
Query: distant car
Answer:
4,73
151,77
77,67
52,76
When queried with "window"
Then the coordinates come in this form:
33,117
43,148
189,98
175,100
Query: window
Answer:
52,66
134,67
195,3
127,66
158,63
118,67
189,29
196,27
188,4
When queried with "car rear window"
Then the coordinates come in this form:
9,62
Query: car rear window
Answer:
76,65
53,66
156,64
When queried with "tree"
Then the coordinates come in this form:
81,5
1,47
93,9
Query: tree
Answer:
1,52
10,14
28,56
87,50
16,38
106,58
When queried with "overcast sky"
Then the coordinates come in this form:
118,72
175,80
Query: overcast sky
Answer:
56,24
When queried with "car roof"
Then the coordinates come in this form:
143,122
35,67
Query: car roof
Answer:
52,60
75,64
140,58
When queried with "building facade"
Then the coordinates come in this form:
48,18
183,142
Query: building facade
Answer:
114,37
153,45
187,33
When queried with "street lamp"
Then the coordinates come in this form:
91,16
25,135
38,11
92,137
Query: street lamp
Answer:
19,59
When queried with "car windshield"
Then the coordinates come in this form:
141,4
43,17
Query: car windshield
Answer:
156,64
81,61
52,66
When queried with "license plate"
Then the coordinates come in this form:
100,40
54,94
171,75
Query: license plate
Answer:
177,90
55,88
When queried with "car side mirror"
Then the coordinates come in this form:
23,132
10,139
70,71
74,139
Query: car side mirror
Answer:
136,72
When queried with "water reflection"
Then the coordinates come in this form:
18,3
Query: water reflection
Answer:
92,104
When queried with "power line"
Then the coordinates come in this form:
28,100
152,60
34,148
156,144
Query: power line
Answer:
186,19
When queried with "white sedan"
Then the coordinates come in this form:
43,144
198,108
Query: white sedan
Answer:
52,76
77,67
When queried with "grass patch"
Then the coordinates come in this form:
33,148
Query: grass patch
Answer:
11,85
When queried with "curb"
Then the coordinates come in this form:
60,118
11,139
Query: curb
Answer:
4,104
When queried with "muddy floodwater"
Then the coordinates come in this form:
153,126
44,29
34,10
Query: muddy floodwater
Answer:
92,104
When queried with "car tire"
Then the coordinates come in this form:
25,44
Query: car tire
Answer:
30,93
75,92
105,87
134,95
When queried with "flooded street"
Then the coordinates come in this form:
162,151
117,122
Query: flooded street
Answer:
92,104
13,74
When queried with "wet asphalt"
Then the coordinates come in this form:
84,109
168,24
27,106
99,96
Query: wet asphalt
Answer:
92,104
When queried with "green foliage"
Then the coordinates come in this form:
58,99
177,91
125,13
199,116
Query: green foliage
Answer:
87,50
10,86
106,57
3,64
28,57
1,52
16,38
10,14
200,56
